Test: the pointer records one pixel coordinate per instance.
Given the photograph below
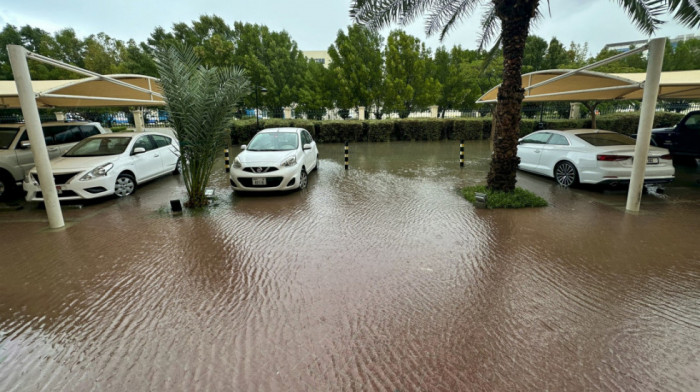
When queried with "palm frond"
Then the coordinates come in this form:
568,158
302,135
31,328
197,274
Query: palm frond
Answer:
490,27
686,12
645,13
445,13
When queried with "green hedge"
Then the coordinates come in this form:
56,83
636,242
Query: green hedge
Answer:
434,128
379,130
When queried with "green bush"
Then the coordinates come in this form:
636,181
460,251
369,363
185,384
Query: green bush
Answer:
379,130
121,128
520,198
242,131
340,131
468,129
419,129
527,126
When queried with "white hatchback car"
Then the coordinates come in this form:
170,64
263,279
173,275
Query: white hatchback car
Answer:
276,159
108,164
589,156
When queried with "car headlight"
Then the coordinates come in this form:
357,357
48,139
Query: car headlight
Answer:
99,171
237,163
291,161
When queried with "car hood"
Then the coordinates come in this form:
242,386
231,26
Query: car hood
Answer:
65,164
662,130
264,158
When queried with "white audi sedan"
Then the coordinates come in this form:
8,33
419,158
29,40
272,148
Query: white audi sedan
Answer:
276,159
589,156
109,164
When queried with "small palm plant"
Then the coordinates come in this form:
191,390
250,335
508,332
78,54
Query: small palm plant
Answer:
201,102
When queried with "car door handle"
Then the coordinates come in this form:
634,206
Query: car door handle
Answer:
156,155
538,151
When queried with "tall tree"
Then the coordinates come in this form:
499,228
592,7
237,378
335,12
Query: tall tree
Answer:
514,18
457,72
556,55
409,84
534,54
357,66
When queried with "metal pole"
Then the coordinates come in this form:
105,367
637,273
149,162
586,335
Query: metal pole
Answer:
646,121
461,153
27,99
347,152
228,167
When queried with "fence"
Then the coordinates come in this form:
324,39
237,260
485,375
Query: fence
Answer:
115,117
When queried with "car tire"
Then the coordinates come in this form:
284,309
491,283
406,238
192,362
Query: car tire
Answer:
565,174
125,185
316,168
303,179
7,185
178,167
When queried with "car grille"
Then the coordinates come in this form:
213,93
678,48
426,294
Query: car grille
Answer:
57,178
262,169
271,182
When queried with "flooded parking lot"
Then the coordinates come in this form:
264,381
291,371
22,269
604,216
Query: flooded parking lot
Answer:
381,277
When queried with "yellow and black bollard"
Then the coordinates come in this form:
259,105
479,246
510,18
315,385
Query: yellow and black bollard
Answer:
228,168
461,153
346,155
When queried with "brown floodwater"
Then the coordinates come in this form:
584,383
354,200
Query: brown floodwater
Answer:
381,278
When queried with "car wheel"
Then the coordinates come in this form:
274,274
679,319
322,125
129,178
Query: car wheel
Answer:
178,167
125,185
316,168
7,185
303,179
565,173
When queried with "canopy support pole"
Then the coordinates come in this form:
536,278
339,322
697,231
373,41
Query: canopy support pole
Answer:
30,111
646,121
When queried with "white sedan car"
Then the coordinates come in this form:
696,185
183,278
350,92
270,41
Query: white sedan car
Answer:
589,156
276,159
113,163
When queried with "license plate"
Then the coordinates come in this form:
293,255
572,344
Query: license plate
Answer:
260,181
652,161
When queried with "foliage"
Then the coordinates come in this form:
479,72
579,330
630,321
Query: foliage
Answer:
519,198
379,130
357,68
468,129
201,102
458,74
340,131
409,85
419,129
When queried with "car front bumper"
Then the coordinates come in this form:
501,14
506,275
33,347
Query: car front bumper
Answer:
74,189
286,178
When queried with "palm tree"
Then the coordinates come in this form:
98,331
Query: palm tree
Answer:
514,18
201,102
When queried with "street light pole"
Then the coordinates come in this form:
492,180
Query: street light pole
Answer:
263,91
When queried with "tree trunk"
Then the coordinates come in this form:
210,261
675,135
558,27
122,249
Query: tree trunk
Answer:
515,16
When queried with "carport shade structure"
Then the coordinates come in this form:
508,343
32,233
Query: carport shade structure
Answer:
582,85
597,86
93,91
96,90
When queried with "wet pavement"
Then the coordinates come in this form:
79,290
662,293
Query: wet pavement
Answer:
379,278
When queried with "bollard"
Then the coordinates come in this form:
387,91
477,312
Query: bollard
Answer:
228,168
346,155
461,153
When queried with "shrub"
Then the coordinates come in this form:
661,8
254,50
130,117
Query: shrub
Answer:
379,130
527,126
242,131
468,129
519,198
120,128
419,129
339,131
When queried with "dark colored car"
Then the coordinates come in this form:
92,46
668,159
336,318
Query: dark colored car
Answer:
683,139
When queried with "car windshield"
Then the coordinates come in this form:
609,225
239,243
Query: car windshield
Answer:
7,135
606,139
99,146
274,141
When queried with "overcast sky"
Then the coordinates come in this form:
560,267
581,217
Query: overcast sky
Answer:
313,24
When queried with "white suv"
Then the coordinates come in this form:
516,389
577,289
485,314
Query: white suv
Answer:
16,156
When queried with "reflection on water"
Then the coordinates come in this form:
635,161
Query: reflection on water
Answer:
377,278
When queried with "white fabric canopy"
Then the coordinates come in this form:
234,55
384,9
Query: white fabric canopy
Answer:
87,92
598,86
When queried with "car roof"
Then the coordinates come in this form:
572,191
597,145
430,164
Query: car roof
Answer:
576,131
281,129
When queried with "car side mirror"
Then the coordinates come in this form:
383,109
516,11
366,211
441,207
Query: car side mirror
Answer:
243,147
307,146
139,150
24,144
